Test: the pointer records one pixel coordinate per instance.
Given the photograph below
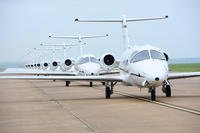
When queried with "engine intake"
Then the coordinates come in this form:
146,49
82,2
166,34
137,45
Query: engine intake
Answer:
107,61
68,62
46,64
55,64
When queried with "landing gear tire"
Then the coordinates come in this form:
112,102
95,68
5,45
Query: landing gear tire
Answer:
91,84
103,83
108,92
67,83
168,91
153,94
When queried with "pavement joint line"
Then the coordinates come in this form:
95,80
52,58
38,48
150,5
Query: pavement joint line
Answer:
76,116
196,112
83,121
62,107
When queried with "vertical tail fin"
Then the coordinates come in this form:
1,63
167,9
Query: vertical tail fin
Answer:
79,38
123,21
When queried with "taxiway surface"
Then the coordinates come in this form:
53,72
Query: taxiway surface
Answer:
45,106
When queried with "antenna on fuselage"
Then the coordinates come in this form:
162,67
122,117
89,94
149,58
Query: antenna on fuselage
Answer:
123,21
79,37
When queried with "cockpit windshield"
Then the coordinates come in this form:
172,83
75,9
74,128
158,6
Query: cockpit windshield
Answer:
93,59
157,55
143,55
84,60
88,59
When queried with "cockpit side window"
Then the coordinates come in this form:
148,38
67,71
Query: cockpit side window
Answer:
143,55
157,55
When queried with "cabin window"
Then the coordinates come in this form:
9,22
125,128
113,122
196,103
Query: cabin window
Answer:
157,55
143,55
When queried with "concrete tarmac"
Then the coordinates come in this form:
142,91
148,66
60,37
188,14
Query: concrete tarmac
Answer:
28,106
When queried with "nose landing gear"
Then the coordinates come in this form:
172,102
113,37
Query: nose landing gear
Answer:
109,89
167,90
67,83
91,84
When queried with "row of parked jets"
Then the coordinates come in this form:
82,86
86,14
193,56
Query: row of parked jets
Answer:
142,66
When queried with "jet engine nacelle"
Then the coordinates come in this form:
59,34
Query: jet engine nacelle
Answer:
45,65
107,61
54,65
67,64
38,66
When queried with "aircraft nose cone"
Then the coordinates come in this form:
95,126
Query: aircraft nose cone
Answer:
91,69
156,76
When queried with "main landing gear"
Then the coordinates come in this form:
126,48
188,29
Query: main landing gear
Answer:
91,84
67,83
167,90
109,89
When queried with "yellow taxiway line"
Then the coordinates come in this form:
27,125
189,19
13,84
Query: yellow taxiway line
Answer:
160,103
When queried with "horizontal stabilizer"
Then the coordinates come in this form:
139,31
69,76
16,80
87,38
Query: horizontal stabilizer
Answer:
78,37
121,20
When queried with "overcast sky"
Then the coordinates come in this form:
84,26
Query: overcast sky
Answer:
24,24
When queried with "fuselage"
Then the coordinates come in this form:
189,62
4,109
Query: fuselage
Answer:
144,66
87,65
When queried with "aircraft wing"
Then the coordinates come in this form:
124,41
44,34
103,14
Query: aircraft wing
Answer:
114,71
19,71
66,78
180,75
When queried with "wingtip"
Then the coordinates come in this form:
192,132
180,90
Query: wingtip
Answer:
167,16
49,36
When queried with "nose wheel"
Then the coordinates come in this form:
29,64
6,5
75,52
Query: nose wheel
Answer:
108,92
109,89
67,83
91,84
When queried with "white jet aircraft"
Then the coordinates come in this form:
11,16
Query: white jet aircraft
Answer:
84,60
88,64
85,64
143,66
